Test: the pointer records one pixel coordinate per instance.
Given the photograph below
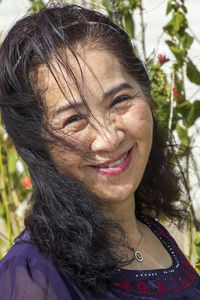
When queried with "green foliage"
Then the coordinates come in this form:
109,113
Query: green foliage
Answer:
182,134
160,93
179,43
194,113
192,73
106,4
176,28
128,23
124,10
197,247
12,192
169,8
11,162
36,5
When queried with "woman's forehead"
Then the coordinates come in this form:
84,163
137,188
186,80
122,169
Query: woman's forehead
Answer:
94,73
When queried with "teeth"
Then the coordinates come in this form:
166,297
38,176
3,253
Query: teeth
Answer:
115,163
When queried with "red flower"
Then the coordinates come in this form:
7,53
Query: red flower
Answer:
26,181
175,92
162,59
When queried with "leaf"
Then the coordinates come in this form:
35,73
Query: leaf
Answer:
129,25
178,20
11,163
197,263
36,6
187,40
198,251
170,43
180,54
10,145
106,4
134,4
194,113
182,134
184,108
197,242
169,8
168,28
192,73
184,8
2,210
198,234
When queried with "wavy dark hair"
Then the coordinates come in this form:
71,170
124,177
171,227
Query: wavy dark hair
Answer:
65,221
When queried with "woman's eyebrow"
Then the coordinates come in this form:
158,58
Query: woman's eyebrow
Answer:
67,107
106,95
123,85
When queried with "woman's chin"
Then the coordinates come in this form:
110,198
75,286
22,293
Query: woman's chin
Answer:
116,196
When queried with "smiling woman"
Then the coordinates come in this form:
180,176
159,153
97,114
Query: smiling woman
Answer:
76,101
117,129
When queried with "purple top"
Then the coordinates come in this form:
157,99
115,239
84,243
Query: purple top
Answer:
26,274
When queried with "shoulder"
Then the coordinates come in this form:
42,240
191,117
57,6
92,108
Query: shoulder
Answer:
24,252
25,273
24,248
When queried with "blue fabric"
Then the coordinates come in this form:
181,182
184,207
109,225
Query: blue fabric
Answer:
26,274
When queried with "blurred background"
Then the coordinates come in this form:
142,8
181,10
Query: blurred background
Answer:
166,34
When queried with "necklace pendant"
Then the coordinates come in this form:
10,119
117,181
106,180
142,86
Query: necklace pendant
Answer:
138,256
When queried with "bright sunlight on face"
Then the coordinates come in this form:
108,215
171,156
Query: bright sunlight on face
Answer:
118,128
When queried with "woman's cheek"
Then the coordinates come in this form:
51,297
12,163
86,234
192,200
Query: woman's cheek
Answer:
138,120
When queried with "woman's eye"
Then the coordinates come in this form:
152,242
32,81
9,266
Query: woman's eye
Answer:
73,119
120,99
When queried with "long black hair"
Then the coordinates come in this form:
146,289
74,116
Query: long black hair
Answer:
65,221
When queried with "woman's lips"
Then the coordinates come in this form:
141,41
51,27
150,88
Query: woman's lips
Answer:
115,169
113,160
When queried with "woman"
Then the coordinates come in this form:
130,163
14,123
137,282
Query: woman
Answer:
76,101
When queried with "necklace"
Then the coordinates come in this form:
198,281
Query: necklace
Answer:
139,256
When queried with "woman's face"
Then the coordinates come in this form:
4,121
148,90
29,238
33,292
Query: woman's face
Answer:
118,130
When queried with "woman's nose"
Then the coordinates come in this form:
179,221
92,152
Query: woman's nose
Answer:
107,138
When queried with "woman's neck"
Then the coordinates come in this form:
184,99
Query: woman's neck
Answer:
124,214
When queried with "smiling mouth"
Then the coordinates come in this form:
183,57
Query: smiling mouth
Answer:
115,167
114,164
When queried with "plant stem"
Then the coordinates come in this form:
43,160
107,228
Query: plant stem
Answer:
3,190
194,163
115,15
190,240
171,106
92,4
143,31
196,223
3,237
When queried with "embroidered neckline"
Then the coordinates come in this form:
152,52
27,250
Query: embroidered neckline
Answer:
165,240
179,276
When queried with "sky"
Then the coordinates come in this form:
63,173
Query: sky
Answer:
155,18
